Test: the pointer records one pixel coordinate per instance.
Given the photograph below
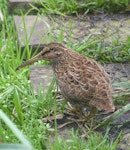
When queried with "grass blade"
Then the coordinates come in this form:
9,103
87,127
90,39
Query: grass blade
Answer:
15,130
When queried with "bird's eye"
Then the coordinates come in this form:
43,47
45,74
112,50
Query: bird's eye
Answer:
51,49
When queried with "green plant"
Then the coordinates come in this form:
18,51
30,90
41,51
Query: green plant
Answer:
63,7
95,142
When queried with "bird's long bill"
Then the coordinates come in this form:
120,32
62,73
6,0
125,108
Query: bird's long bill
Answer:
30,61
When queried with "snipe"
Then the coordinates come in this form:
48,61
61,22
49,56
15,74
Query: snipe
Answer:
82,80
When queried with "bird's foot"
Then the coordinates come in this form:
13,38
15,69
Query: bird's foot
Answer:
73,111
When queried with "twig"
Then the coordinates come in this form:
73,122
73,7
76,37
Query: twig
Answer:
67,123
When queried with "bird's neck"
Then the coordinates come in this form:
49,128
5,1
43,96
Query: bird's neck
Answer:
65,60
59,63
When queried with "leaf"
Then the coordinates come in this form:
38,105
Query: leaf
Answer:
122,84
15,130
14,147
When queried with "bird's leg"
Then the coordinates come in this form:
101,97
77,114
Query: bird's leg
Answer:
78,111
74,111
92,112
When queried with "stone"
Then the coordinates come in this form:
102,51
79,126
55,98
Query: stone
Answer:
41,77
32,30
70,29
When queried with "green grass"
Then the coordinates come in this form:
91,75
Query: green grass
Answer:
17,98
94,142
75,7
96,48
64,7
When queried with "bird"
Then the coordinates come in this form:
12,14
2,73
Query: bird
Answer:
82,81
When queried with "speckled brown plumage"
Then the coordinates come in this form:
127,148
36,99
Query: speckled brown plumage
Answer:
82,80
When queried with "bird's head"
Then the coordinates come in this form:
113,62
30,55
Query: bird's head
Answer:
51,52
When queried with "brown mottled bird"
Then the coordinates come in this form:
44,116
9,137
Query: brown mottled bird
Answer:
82,80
